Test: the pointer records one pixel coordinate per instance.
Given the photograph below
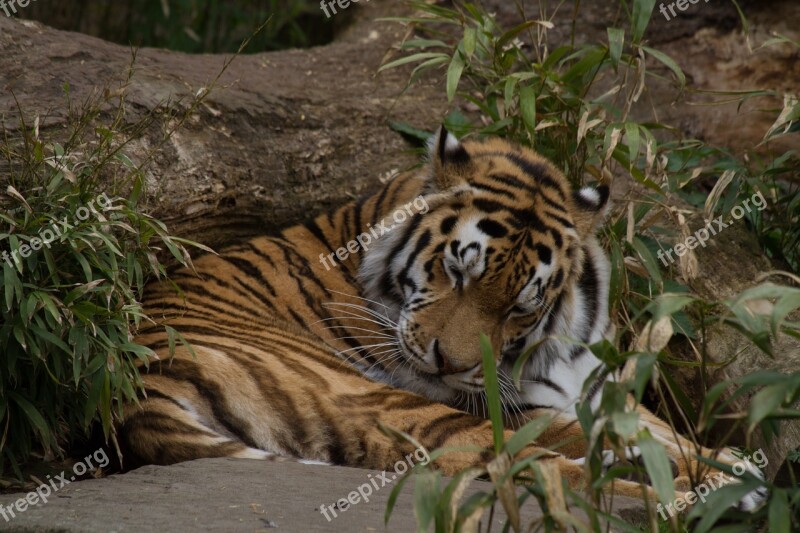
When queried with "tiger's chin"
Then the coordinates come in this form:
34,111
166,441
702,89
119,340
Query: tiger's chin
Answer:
459,384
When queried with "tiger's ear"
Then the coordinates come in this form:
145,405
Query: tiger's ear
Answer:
450,160
591,208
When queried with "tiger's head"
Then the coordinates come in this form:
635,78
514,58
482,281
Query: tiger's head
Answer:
501,249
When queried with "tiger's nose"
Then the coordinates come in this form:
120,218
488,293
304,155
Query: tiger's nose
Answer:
448,365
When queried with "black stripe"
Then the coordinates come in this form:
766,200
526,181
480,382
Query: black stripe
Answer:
548,383
538,171
317,232
162,422
153,394
387,285
514,182
589,285
257,277
213,394
493,190
492,228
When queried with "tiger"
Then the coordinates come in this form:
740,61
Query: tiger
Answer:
310,341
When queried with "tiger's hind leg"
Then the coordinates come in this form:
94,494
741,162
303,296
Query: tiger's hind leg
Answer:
162,431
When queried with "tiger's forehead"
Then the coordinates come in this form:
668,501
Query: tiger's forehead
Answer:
513,255
497,161
516,206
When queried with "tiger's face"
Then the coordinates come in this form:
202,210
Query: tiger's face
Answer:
495,253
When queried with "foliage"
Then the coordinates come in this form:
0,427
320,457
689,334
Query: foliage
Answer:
70,303
575,104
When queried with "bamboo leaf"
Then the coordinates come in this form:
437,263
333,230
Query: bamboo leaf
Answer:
411,59
616,38
667,62
454,72
492,392
657,465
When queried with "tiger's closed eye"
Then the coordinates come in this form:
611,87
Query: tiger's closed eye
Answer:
454,274
516,311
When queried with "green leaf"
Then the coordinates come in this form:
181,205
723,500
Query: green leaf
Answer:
414,135
717,503
648,260
669,303
527,107
137,349
387,514
625,424
423,43
508,91
425,65
616,38
426,491
9,277
642,11
105,404
34,417
668,62
492,392
766,402
634,140
48,336
509,36
470,38
454,72
49,305
657,465
780,518
516,371
412,58
527,434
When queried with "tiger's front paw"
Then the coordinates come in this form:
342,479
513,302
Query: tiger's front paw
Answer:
717,479
756,498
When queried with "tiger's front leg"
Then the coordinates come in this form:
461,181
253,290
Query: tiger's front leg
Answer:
437,426
564,435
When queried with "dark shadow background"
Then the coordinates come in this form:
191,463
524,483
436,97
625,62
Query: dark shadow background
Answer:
193,26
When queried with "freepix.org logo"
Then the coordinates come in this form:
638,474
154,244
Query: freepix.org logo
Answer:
329,6
10,6
712,228
40,495
57,229
712,483
363,492
363,241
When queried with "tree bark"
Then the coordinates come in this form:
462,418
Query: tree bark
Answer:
283,134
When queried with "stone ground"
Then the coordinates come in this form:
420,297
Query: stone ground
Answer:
231,495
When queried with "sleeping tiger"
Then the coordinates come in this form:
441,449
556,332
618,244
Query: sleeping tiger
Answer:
305,342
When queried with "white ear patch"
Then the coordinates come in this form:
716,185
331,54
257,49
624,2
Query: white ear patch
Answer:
451,144
591,196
